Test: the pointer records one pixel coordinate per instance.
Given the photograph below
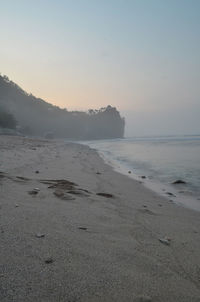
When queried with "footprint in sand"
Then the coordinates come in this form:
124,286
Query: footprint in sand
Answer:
146,211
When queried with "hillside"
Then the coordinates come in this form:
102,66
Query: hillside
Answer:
35,117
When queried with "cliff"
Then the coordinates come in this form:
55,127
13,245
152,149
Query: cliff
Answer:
36,117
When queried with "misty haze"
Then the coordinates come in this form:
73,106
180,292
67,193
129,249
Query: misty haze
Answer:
100,151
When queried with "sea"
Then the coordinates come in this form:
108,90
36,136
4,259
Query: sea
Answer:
157,162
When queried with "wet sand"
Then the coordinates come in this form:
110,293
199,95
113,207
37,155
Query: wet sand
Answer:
72,229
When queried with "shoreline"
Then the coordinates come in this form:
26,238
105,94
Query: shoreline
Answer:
163,190
89,233
168,191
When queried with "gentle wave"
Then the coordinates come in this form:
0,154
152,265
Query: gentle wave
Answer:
160,159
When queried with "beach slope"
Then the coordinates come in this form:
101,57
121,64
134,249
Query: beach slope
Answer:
72,229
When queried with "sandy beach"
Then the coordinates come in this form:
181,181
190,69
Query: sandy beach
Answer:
72,229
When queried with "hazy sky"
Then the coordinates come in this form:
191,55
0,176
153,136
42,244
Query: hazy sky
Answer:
141,56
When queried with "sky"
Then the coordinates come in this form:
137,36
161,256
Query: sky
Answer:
141,56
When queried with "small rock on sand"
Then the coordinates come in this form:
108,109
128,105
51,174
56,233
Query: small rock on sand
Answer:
170,194
108,195
34,191
40,235
165,241
49,260
179,181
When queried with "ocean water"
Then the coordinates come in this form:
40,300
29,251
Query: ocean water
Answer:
162,160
